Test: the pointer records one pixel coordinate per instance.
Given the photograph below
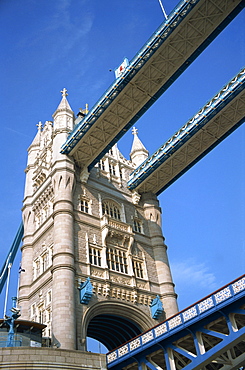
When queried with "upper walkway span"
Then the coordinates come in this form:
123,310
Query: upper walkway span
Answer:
212,124
190,28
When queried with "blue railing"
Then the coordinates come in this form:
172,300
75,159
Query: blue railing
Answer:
227,93
222,297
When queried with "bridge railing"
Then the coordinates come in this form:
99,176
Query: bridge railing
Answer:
202,308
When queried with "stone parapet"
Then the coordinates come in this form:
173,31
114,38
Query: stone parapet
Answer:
28,358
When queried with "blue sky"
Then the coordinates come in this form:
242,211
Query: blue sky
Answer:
49,45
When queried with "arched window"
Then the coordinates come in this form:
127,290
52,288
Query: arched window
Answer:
111,209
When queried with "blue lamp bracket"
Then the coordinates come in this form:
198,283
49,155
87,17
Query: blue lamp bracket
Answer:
86,291
156,307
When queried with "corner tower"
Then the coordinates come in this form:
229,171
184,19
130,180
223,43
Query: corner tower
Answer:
93,251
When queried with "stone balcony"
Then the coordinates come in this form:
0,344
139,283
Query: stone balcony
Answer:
116,232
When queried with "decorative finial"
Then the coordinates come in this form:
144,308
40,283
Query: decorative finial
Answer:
39,126
134,131
64,92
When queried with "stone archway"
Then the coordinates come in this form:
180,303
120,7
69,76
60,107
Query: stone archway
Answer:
113,323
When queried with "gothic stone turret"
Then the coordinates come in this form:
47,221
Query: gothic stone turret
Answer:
79,227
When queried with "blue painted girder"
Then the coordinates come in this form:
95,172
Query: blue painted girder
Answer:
174,20
229,92
136,64
222,303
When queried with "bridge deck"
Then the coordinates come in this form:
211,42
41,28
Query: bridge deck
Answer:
177,42
209,333
217,119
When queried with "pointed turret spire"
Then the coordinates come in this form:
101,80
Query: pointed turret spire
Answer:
64,102
138,152
64,112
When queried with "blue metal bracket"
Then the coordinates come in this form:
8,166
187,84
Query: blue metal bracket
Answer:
86,291
156,307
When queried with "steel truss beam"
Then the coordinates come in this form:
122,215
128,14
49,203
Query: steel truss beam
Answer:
171,49
212,124
209,335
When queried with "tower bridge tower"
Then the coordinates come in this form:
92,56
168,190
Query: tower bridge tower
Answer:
93,251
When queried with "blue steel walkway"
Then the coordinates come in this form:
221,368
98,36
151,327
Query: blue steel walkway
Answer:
178,41
224,113
207,335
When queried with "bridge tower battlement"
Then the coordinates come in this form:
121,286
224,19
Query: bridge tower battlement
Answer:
81,225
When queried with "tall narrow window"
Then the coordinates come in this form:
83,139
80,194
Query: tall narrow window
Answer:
112,169
95,256
84,206
41,314
38,267
33,312
102,165
117,260
49,297
138,269
44,261
137,226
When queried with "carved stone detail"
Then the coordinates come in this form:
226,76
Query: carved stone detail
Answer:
97,272
84,175
135,197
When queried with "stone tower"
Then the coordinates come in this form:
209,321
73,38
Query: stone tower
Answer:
93,251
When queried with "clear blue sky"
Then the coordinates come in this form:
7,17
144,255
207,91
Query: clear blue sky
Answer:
49,45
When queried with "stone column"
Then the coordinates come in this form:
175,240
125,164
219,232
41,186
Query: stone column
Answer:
63,269
153,215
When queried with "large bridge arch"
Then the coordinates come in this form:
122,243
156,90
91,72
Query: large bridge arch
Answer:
113,323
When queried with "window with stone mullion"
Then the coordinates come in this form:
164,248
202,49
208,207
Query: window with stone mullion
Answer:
117,260
137,226
95,256
138,269
84,206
